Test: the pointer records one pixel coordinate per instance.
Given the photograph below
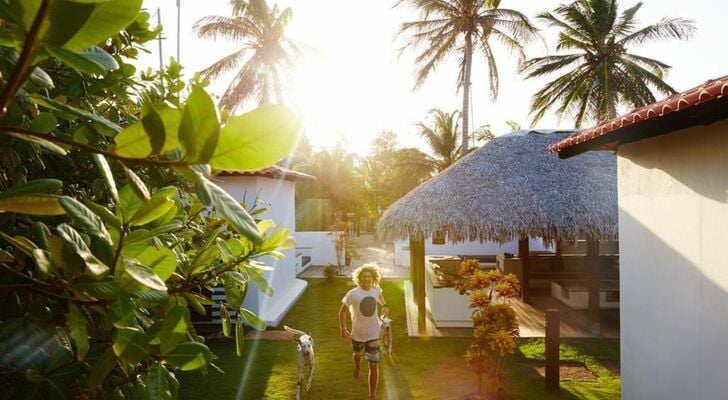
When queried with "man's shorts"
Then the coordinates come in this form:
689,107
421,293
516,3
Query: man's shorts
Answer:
371,352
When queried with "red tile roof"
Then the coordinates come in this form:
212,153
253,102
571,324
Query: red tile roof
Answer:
273,172
709,91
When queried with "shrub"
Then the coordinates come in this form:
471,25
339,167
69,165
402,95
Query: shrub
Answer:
495,328
329,272
110,223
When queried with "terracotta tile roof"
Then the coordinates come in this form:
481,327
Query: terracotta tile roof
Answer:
709,91
273,172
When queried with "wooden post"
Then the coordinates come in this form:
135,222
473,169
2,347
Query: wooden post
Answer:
417,264
593,278
553,338
412,269
523,255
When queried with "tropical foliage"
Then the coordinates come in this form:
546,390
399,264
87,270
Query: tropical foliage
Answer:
266,53
494,320
599,70
463,28
111,228
442,138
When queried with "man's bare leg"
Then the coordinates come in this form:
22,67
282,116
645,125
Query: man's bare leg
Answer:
373,379
357,365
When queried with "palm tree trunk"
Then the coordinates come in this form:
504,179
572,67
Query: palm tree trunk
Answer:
468,64
277,86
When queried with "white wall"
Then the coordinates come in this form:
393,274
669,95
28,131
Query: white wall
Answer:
318,245
673,230
402,254
277,196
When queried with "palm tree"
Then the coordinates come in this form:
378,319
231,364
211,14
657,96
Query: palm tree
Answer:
265,52
462,27
601,72
442,137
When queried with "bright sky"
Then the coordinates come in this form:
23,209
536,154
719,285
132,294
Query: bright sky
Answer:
357,86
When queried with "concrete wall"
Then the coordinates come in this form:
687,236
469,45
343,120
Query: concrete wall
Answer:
673,230
317,245
278,197
401,248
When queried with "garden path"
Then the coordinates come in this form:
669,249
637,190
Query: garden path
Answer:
368,250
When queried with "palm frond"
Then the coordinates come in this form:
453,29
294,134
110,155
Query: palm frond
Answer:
667,28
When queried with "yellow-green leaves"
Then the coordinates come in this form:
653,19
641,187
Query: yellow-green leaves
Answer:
143,275
256,139
76,324
174,328
39,204
85,218
189,356
229,208
131,345
155,133
200,127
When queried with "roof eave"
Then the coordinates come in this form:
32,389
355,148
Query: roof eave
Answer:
701,114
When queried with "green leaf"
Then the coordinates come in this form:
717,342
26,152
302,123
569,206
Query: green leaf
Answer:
77,26
225,317
40,204
94,266
156,208
121,311
44,262
129,202
174,328
85,218
76,324
256,275
104,213
41,78
199,129
38,186
90,61
131,345
143,138
227,207
256,139
105,170
160,260
143,275
46,144
239,337
58,106
189,356
105,290
102,368
252,319
225,252
157,383
44,122
6,257
152,296
21,243
233,290
136,183
275,240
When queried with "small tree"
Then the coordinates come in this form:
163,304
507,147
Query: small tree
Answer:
494,321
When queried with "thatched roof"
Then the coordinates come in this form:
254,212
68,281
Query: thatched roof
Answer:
512,188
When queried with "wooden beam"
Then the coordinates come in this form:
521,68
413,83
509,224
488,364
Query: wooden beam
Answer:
523,255
412,269
553,339
417,265
593,278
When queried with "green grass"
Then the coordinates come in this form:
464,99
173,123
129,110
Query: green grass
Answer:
420,369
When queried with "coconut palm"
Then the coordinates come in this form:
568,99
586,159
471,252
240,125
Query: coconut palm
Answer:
265,52
441,137
600,71
462,28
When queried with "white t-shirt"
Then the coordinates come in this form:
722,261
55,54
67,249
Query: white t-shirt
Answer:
363,309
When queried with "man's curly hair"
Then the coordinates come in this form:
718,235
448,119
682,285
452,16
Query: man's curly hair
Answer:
372,268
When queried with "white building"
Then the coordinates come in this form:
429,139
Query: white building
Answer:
274,189
673,230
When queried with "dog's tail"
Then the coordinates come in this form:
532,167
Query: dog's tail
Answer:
294,331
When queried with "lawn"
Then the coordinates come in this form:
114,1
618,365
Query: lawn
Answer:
420,369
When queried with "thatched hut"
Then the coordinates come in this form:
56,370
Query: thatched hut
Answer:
510,188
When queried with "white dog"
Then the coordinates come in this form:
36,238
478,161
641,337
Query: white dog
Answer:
386,337
305,357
